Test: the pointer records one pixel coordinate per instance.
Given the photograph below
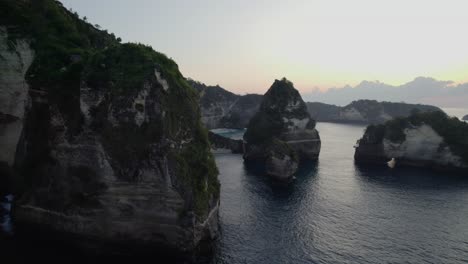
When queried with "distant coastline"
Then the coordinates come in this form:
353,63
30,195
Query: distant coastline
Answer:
458,112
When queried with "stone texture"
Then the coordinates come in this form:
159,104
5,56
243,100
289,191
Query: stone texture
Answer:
282,133
15,59
422,147
108,164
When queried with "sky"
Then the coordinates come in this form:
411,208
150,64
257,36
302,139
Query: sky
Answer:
244,45
421,90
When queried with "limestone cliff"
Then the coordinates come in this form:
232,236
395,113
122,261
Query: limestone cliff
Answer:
221,142
282,133
104,139
15,59
223,109
429,139
364,111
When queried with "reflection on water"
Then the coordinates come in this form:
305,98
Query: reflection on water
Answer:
333,212
336,212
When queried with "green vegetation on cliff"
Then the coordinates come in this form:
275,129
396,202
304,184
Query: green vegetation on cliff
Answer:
453,131
62,43
124,70
70,53
194,164
281,101
59,37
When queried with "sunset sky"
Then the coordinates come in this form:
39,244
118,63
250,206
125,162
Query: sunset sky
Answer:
244,45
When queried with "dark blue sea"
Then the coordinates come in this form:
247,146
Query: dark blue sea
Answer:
336,212
333,212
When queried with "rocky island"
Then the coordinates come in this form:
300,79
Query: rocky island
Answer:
281,133
103,140
223,109
364,111
431,140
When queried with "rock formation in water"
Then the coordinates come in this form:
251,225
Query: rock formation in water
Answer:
281,133
102,139
365,111
223,109
465,118
221,142
430,139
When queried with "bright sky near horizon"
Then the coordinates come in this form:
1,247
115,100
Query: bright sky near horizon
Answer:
244,45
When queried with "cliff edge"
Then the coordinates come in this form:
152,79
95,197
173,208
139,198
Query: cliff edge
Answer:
103,140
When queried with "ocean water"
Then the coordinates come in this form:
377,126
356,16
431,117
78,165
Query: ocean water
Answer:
336,212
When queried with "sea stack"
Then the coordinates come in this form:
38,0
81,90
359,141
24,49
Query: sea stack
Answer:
430,139
281,133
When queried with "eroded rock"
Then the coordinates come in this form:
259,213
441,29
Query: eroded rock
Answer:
431,140
282,132
109,146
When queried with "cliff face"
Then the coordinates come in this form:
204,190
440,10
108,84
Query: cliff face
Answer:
14,63
104,139
425,139
223,109
365,111
282,132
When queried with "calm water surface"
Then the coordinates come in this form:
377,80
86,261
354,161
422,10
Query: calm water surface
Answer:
335,212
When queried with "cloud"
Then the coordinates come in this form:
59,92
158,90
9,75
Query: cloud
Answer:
423,90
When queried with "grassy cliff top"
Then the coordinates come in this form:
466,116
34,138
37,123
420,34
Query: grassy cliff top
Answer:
280,96
59,37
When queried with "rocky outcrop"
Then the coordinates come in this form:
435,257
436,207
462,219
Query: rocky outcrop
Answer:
104,138
220,142
223,109
282,133
430,140
365,111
